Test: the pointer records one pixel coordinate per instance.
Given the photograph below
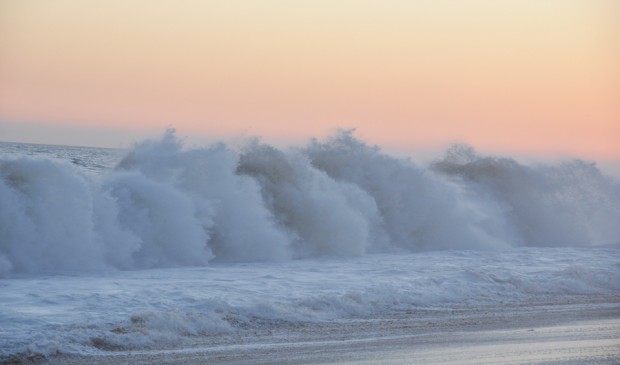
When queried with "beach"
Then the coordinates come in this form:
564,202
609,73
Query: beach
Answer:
586,333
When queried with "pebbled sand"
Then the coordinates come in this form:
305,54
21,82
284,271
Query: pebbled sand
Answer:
543,334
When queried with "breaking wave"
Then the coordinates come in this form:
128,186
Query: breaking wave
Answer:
166,206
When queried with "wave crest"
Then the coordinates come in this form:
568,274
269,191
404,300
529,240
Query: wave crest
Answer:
164,205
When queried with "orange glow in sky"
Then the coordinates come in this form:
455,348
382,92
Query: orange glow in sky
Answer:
514,76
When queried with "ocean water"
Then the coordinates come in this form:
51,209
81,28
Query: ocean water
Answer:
162,246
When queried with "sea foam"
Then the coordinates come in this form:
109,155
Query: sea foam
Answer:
169,206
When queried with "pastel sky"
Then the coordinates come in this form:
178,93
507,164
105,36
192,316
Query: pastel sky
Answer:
537,77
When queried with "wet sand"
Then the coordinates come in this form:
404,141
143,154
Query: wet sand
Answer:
543,334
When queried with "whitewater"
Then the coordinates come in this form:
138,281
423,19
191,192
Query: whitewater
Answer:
166,248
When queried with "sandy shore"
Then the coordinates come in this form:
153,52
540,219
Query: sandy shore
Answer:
542,334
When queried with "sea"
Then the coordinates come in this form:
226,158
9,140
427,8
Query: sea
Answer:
164,247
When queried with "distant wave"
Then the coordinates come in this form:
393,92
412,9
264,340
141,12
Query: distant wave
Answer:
165,206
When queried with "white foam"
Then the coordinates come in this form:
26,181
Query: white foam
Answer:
168,206
177,307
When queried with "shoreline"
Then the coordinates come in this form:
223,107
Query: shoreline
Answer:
549,334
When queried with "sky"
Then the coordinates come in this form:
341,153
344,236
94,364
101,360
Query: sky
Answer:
537,78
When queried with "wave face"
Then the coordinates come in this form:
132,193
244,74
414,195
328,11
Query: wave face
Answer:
166,206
